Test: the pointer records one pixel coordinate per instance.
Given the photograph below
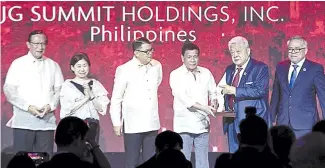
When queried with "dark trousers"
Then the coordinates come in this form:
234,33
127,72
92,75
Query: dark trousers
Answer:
137,142
233,142
33,141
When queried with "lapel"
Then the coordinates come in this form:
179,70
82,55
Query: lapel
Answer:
285,74
231,74
302,73
246,71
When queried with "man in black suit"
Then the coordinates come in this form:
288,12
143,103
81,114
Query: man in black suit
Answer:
73,137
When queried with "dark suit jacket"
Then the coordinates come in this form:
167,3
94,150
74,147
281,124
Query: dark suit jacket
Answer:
297,106
253,90
67,160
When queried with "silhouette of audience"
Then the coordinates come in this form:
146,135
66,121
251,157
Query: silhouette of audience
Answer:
253,151
308,151
74,140
21,160
172,158
165,140
319,126
73,137
282,139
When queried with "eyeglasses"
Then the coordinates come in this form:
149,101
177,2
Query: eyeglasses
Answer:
147,52
38,44
295,50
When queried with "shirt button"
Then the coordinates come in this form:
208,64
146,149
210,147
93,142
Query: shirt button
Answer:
289,106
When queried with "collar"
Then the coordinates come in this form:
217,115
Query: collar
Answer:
245,65
299,63
185,70
139,64
33,59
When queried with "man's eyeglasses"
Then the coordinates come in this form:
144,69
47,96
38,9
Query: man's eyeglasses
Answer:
147,51
295,50
38,44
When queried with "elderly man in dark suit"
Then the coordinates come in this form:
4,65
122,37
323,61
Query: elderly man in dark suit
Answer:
244,83
297,81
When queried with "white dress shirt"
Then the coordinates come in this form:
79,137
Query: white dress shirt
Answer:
298,68
70,97
36,82
224,82
135,95
188,90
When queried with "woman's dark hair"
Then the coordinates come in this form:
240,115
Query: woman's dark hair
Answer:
79,56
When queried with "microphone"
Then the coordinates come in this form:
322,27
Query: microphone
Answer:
91,83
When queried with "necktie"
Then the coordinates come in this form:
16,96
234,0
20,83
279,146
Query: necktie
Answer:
234,83
293,76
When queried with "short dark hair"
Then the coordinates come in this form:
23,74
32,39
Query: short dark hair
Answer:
319,126
138,42
79,56
36,32
250,111
253,130
190,46
168,138
69,129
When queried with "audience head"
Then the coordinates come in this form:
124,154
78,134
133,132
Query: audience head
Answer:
250,111
168,139
70,135
239,50
308,151
80,64
319,126
21,160
171,158
253,129
142,50
282,139
190,55
36,43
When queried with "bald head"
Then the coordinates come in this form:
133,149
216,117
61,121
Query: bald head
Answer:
309,151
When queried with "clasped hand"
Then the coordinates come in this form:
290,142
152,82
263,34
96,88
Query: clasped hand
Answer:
39,112
88,92
227,89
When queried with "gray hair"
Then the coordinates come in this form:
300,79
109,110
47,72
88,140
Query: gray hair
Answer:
304,42
239,40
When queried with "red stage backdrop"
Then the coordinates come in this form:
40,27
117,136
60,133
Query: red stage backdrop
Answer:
211,26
